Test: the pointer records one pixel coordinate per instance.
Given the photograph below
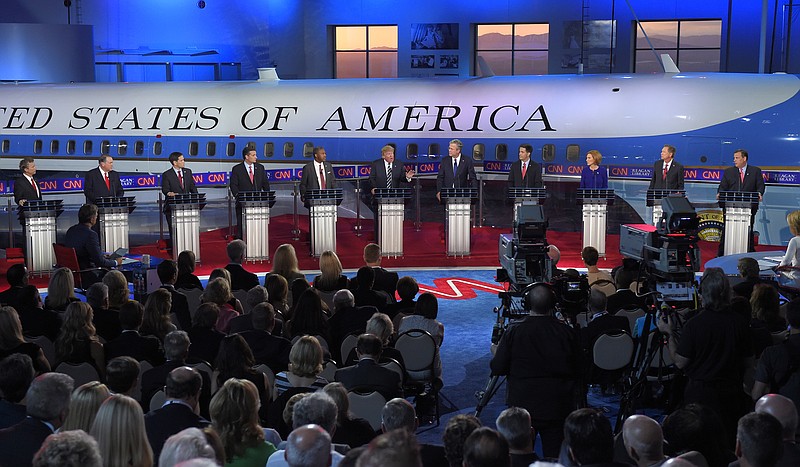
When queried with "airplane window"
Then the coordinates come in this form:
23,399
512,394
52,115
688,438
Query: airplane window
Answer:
433,150
37,146
88,147
412,151
71,146
288,149
54,146
269,149
105,146
211,148
6,147
122,148
501,152
138,148
252,145
230,149
193,148
548,153
308,150
573,153
157,148
478,151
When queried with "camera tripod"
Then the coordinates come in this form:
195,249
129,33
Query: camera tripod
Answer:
486,395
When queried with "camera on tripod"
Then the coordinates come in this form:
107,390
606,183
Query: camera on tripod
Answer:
523,254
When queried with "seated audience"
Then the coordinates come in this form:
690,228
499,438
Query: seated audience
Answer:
305,365
36,321
105,320
597,278
380,325
278,293
308,445
296,289
383,281
784,410
118,292
268,348
284,264
17,278
60,290
77,342
330,278
156,320
759,440
314,409
367,375
765,304
235,360
399,414
186,445
12,341
424,317
644,441
84,403
407,289
749,272
350,430
130,343
257,294
16,375
346,319
218,291
69,449
205,338
308,318
234,414
696,428
122,375
167,271
241,279
119,431
514,424
397,448
486,448
364,292
186,278
455,435
588,438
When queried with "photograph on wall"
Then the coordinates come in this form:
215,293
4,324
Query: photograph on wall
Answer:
422,61
448,61
434,36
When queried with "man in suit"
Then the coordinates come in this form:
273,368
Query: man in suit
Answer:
317,174
386,172
130,343
525,172
741,177
25,187
458,172
269,349
47,405
167,272
241,279
182,387
102,181
177,180
86,243
367,375
667,172
248,175
17,277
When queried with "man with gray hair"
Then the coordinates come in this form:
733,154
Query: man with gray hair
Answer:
47,406
758,440
347,319
316,408
308,446
268,348
396,448
105,320
514,424
255,296
644,441
185,445
69,449
241,279
784,410
399,414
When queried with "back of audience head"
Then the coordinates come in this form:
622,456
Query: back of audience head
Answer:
263,317
97,296
540,299
351,458
318,409
206,316
234,356
644,440
83,406
372,253
218,290
305,357
284,261
176,345
588,437
783,409
369,345
236,251
514,424
277,288
288,409
397,448
10,328
220,273
257,294
183,383
397,414
185,445
486,448
343,299
590,255
17,275
694,427
131,315
765,303
407,288
715,289
234,414
118,292
16,375
29,298
793,314
380,325
167,271
308,446
758,440
119,431
186,262
455,434
365,277
338,393
61,288
48,396
121,374
68,449
748,268
427,306
597,301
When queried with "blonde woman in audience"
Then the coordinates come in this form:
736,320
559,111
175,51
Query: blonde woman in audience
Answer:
119,431
12,341
60,291
234,414
225,274
78,342
156,320
218,291
83,406
330,278
305,365
118,293
284,263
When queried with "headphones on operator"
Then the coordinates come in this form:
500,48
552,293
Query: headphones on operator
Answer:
551,299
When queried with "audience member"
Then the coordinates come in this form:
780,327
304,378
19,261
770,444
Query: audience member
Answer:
118,292
749,272
16,375
698,429
156,321
84,403
235,360
186,278
399,414
330,278
367,375
778,369
234,414
384,281
167,271
122,375
351,458
308,318
407,289
12,341
218,291
350,430
455,435
598,279
255,295
346,319
77,342
69,449
60,290
105,320
268,349
241,279
180,411
588,438
278,292
119,431
17,278
185,445
308,446
514,424
35,320
486,448
130,343
205,338
784,410
363,291
47,404
644,441
305,365
759,440
396,448
381,326
765,303
284,264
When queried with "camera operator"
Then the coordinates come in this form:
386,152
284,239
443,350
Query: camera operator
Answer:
541,357
713,349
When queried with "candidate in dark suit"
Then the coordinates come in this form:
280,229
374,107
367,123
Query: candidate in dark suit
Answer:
102,181
86,243
25,187
182,388
249,175
367,375
176,181
741,177
667,172
311,174
387,172
525,172
457,172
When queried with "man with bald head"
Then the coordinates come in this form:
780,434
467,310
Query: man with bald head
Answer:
644,441
308,446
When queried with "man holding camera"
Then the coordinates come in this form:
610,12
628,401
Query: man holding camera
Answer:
542,358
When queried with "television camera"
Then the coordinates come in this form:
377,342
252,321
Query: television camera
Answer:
523,254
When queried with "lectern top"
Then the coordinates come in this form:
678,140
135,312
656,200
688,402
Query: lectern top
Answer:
744,196
255,196
114,202
592,193
527,193
328,193
459,192
392,193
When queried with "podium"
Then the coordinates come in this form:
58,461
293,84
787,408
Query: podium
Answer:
457,219
523,196
185,221
391,212
595,217
39,228
322,210
255,222
113,220
654,201
739,207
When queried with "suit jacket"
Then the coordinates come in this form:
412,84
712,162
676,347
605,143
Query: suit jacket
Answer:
106,323
309,180
674,176
94,185
10,296
368,375
377,174
162,423
24,190
385,281
20,442
465,178
533,176
154,379
268,349
170,182
241,279
180,306
132,344
87,247
240,179
11,413
39,322
753,180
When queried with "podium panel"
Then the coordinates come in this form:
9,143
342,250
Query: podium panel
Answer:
255,222
112,217
458,220
739,207
39,228
595,217
391,213
322,210
185,220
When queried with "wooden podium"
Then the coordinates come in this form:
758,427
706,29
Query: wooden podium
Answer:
185,220
457,221
39,228
113,220
322,210
255,222
595,217
391,213
739,207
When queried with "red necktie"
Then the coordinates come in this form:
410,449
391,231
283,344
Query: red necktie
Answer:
321,178
180,178
666,168
524,169
33,182
251,174
741,174
108,182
